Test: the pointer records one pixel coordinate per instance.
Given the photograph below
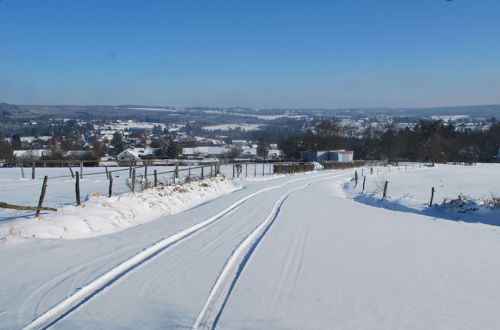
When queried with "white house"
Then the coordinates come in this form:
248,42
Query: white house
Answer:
274,154
135,153
31,154
249,152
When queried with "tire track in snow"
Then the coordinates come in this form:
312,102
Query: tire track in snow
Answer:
88,291
225,283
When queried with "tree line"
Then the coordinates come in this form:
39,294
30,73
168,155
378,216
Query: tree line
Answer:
428,141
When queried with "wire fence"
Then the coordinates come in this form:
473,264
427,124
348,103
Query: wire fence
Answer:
72,182
74,186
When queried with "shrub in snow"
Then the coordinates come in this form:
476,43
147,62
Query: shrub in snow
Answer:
465,204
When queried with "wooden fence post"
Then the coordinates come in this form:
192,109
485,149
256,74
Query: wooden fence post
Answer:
110,192
130,170
385,189
356,178
42,195
107,173
33,170
202,174
22,169
71,171
133,180
432,196
81,170
77,188
156,178
364,181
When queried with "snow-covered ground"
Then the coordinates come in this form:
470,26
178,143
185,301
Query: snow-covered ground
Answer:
460,192
291,252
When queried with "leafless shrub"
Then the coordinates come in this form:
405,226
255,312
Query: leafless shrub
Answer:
379,186
493,202
463,204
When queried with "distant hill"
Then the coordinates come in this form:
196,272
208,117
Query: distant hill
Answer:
193,113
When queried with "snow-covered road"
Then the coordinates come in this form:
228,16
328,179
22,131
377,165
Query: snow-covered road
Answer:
292,252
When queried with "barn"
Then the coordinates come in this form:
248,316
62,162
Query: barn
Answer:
341,156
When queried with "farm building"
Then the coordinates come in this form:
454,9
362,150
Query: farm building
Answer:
342,156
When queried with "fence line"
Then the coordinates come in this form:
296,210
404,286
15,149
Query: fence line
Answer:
193,173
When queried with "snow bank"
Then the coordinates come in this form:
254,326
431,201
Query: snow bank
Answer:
318,166
101,215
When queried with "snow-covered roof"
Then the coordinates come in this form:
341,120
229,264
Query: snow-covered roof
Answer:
136,153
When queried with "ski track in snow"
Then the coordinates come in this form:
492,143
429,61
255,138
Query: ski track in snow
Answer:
220,292
88,291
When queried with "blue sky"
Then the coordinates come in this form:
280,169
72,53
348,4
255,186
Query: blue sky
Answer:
336,53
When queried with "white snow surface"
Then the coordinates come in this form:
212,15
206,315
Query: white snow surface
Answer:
100,215
409,190
295,252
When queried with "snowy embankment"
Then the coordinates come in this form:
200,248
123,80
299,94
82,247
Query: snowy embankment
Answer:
462,193
61,186
100,215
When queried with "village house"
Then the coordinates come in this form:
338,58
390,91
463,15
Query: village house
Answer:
131,154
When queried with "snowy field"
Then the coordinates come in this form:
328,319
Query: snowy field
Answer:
302,251
61,190
409,190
